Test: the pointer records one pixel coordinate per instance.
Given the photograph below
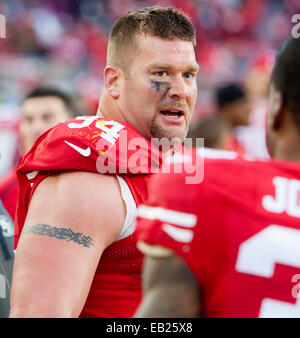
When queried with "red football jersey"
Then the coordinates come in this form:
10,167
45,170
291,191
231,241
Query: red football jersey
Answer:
91,143
238,231
233,144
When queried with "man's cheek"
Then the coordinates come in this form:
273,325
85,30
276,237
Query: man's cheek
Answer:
160,87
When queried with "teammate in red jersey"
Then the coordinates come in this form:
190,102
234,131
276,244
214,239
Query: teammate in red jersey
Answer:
77,253
229,247
42,108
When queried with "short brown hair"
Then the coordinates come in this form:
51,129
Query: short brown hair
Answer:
48,90
163,22
286,76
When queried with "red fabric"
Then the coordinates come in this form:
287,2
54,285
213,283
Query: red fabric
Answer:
116,289
232,144
9,192
230,208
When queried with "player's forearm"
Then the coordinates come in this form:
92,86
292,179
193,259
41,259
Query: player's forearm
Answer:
39,294
29,304
38,311
168,302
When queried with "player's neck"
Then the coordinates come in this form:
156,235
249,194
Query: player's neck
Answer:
288,147
287,156
108,109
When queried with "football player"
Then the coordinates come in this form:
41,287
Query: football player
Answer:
229,247
77,254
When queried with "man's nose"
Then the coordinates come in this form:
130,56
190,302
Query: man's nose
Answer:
179,88
39,127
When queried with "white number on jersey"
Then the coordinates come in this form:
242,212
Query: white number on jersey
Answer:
258,256
110,134
110,129
86,121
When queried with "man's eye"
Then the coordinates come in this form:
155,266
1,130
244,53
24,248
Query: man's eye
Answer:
188,75
27,119
161,73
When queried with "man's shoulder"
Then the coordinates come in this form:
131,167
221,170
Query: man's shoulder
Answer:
91,127
79,195
90,143
79,184
213,164
246,170
222,165
214,172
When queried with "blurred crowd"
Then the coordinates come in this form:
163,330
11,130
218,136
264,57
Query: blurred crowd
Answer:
63,43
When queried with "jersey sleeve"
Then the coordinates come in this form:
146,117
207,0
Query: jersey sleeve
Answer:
166,221
85,143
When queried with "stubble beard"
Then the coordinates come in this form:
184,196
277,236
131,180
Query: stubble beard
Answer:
157,132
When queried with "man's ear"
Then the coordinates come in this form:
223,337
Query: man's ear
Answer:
111,78
276,110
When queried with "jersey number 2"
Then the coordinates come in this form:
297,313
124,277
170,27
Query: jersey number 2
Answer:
258,256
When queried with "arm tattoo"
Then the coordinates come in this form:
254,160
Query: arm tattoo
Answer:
170,289
59,233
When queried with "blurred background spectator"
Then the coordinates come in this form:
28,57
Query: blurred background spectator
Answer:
233,106
214,130
64,43
41,109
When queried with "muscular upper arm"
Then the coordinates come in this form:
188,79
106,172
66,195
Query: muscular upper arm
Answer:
71,219
169,287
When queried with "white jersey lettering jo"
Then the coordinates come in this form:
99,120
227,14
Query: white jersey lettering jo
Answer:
286,199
